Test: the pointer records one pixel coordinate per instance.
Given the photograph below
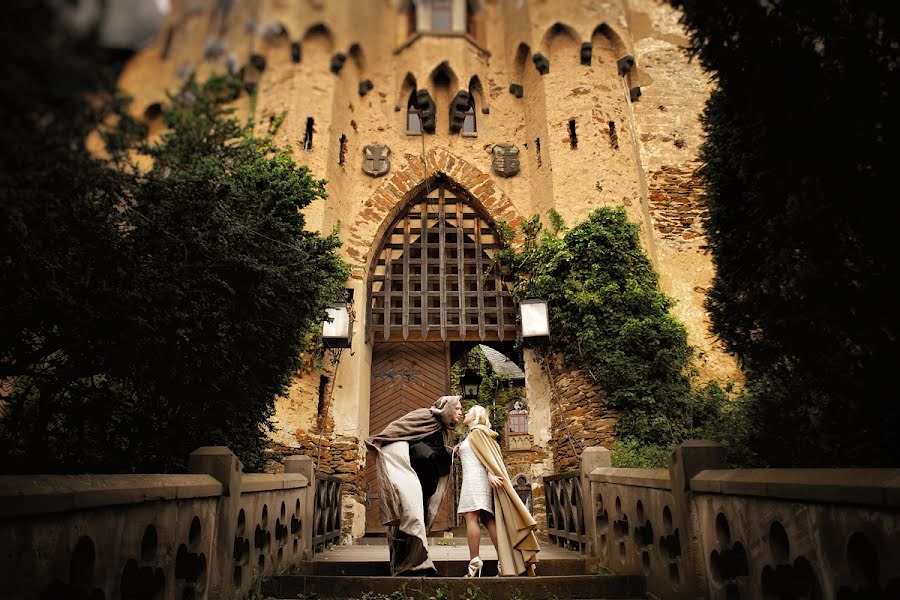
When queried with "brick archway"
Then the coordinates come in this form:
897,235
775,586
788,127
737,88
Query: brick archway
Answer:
404,184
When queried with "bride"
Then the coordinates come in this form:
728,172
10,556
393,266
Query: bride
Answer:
488,493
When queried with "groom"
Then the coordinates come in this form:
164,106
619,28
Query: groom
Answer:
413,467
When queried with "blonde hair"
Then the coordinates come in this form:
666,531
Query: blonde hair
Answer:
481,415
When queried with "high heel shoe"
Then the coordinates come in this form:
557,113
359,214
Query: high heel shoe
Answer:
475,567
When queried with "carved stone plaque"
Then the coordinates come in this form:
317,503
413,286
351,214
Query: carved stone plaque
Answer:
376,160
506,160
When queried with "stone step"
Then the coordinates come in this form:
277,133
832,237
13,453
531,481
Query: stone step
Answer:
456,535
445,568
562,587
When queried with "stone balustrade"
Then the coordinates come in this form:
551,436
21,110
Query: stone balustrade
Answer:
698,530
211,533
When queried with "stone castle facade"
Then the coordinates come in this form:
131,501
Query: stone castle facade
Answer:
522,105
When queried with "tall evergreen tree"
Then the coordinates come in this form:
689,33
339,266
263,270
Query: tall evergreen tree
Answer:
799,167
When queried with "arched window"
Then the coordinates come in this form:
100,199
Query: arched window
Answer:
523,489
518,420
469,124
413,116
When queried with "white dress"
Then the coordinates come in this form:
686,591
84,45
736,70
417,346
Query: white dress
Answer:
475,492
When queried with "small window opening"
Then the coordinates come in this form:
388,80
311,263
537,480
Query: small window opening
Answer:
613,136
413,116
573,137
323,387
153,112
537,147
411,18
470,125
441,15
342,156
167,43
307,139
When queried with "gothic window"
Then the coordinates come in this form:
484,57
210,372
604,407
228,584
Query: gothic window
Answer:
518,421
469,124
441,15
413,116
523,489
431,280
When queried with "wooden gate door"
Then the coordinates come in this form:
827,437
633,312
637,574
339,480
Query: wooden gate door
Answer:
405,376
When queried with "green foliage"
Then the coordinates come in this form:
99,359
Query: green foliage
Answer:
631,453
148,313
488,392
439,593
610,320
473,593
801,240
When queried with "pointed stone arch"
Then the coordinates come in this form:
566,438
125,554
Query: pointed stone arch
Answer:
357,57
522,58
611,37
560,34
318,36
392,196
407,87
476,90
431,279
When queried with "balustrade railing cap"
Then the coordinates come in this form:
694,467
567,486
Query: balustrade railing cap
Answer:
22,495
650,478
876,487
261,482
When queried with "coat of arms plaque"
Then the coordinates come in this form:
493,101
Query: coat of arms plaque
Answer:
376,160
506,160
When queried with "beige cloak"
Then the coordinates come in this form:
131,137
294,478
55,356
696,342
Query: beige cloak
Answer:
517,546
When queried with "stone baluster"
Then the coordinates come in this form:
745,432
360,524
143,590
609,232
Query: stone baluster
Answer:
221,463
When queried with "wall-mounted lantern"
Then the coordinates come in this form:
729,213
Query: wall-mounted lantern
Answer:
337,329
535,317
470,381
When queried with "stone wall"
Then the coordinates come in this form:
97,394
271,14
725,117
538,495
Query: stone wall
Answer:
579,418
678,212
699,530
209,534
524,457
667,119
306,427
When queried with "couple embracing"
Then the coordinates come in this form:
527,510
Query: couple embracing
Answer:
413,462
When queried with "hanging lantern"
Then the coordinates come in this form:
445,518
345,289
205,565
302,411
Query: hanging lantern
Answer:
337,329
470,382
535,317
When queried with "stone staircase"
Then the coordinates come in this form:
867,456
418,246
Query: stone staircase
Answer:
346,573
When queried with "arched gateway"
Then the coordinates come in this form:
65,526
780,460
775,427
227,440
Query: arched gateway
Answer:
430,287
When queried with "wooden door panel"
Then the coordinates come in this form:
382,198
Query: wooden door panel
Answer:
404,377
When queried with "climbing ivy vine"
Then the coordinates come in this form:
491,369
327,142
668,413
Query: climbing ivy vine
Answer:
609,319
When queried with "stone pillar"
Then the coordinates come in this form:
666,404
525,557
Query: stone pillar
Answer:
591,458
221,463
304,466
686,461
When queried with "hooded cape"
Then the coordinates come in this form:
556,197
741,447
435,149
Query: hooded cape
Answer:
517,546
408,523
